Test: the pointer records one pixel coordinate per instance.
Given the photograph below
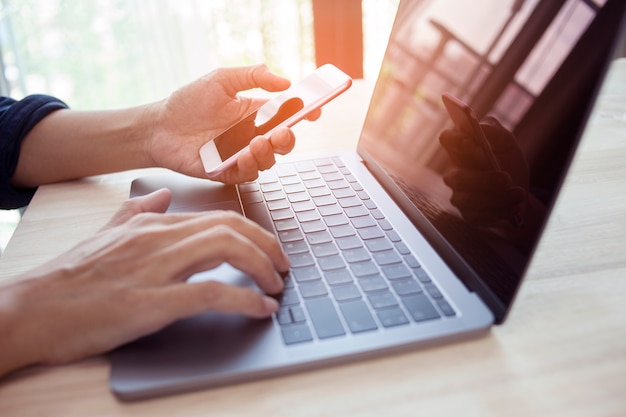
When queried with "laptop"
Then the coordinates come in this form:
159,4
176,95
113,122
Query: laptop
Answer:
414,239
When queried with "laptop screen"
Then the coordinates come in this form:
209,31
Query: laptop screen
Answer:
529,71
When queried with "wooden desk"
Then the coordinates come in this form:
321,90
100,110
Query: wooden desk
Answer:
562,352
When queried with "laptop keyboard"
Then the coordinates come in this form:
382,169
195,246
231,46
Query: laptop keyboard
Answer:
350,270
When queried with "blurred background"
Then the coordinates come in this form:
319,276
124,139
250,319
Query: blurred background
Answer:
99,54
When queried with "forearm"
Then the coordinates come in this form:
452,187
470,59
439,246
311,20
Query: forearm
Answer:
71,144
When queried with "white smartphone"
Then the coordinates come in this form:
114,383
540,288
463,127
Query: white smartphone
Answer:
466,121
286,109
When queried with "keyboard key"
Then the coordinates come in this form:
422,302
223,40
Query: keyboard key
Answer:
289,297
331,262
334,185
396,271
285,170
382,300
346,292
324,200
420,307
314,226
290,235
309,175
316,238
267,176
406,286
297,314
358,316
369,204
386,257
370,232
303,206
379,244
363,195
377,214
446,308
292,179
372,283
289,315
331,176
326,169
299,260
411,261
421,275
271,186
356,211
356,255
313,289
392,317
342,231
363,221
324,249
338,276
284,316
324,317
315,183
433,290
307,274
354,182
295,197
402,248
278,204
349,242
349,202
330,210
281,214
304,166
343,193
321,162
362,269
338,161
385,225
247,187
294,188
393,236
274,195
295,247
296,334
319,192
335,220
287,224
307,216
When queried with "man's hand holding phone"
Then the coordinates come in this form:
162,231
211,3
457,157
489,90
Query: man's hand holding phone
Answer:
201,110
230,150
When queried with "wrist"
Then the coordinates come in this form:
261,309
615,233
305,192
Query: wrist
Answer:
17,348
148,129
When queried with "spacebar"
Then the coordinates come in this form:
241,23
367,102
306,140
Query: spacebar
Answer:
258,213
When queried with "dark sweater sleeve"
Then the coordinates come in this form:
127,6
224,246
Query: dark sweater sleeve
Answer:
17,118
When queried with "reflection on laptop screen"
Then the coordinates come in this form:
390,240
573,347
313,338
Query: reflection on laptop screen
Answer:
528,70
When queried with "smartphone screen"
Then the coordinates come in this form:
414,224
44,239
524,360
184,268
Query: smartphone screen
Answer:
286,109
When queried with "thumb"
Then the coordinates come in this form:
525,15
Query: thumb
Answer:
155,202
256,76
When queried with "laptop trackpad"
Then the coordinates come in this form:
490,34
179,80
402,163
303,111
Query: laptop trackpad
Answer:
189,194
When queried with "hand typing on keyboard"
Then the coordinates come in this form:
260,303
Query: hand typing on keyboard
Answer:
128,280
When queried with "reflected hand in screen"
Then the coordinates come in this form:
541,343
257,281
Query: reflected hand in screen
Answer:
487,197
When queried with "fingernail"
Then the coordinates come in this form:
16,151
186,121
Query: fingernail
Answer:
270,304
